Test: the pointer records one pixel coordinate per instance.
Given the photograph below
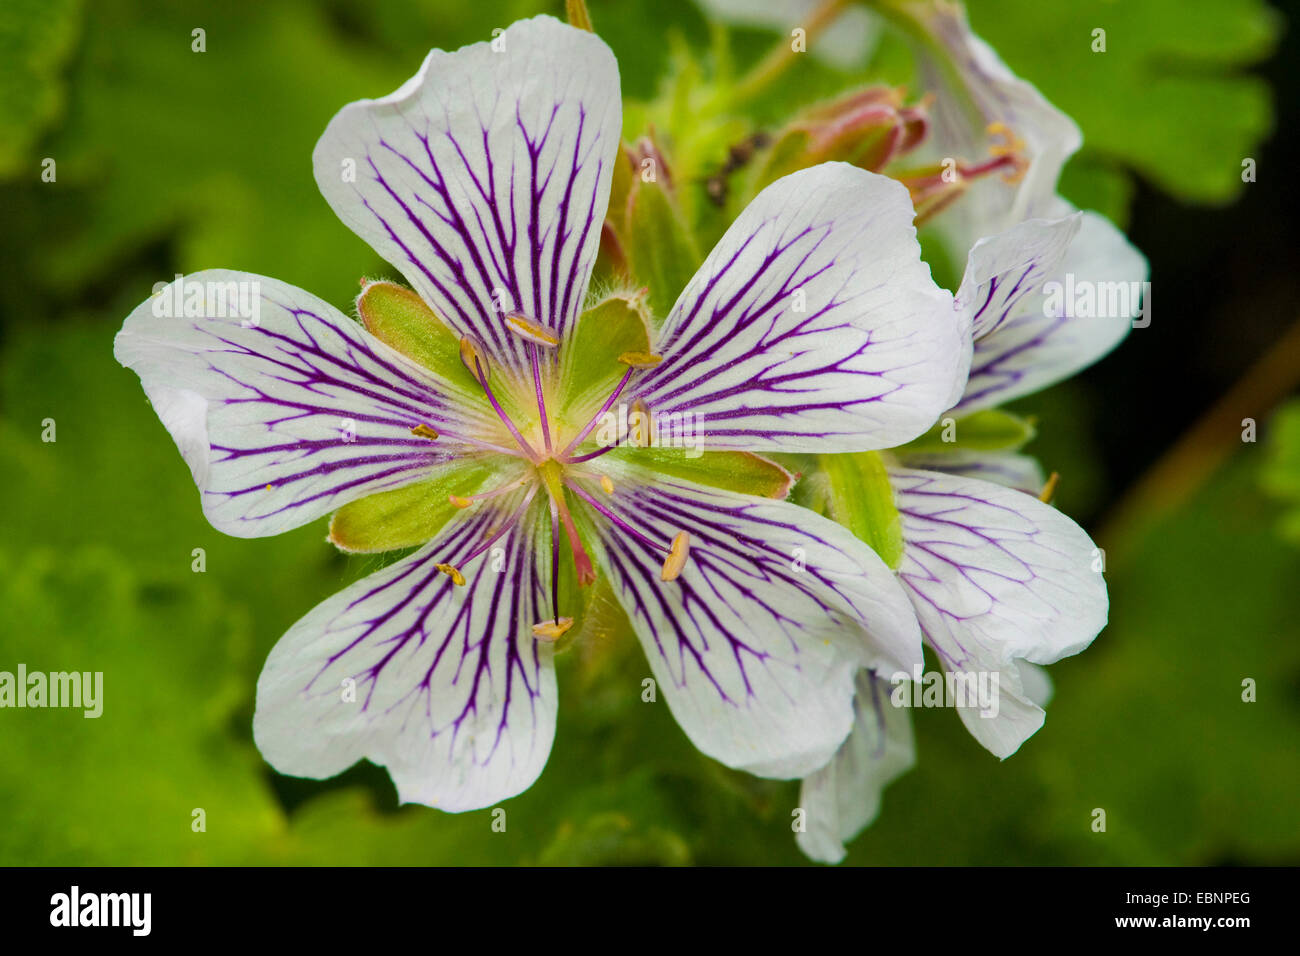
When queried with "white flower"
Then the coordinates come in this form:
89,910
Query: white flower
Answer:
462,417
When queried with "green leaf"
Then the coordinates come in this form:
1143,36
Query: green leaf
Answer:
36,39
175,665
1168,97
1281,474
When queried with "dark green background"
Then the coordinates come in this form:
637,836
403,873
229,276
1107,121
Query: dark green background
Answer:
170,161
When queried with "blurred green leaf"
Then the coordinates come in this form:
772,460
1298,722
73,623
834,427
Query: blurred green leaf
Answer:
1167,98
36,38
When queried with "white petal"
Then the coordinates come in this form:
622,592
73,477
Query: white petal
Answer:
1021,472
450,691
995,575
813,325
485,178
843,798
1048,339
1006,270
283,408
755,644
974,90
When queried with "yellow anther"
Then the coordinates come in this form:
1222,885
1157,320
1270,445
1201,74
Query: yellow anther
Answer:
459,501
640,359
522,325
472,359
268,487
452,572
607,484
425,431
1006,141
552,630
676,556
1049,489
642,426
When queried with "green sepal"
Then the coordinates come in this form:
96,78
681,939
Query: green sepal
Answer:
590,367
856,493
660,247
407,516
739,471
989,430
398,317
780,159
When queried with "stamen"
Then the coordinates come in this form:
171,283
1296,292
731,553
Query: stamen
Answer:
1006,142
535,332
607,484
644,429
613,518
452,572
457,578
425,431
541,397
640,359
1049,489
501,412
552,630
676,557
577,459
609,403
464,501
473,360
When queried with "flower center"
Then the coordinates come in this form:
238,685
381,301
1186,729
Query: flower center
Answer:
556,470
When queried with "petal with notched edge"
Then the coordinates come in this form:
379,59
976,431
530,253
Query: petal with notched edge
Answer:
996,575
1008,269
485,178
1046,341
443,685
290,411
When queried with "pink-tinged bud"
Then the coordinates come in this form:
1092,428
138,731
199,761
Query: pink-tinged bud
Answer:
868,128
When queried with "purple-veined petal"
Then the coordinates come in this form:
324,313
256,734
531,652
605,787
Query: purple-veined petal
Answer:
1008,468
755,644
1046,340
843,798
975,90
443,685
488,172
996,575
283,408
813,325
1006,270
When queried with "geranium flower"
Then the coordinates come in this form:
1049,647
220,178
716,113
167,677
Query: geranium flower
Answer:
1001,582
469,417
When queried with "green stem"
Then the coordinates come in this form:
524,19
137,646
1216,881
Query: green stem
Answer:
779,59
